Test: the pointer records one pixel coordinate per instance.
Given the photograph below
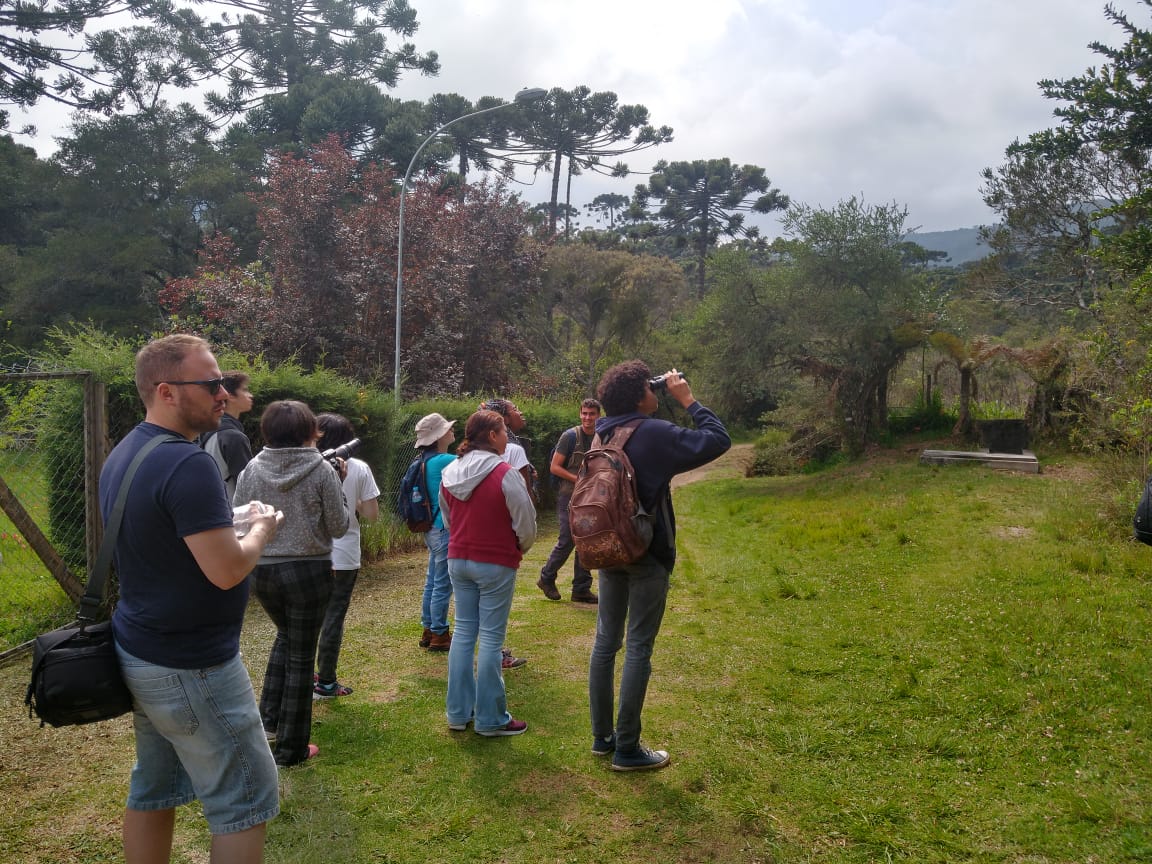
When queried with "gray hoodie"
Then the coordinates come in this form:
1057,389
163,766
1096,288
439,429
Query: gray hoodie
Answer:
299,481
463,475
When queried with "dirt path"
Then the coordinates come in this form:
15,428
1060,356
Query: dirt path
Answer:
731,464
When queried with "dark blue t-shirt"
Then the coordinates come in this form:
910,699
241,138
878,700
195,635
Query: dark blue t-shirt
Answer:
169,613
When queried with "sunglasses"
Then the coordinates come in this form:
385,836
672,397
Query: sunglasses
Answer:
211,385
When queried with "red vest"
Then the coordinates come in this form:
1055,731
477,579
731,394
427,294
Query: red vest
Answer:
481,527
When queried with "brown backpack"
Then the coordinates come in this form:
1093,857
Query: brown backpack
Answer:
609,525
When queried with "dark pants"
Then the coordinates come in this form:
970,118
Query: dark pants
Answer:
632,600
295,595
581,577
332,633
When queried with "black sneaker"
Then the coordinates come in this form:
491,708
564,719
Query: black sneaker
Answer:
603,746
640,759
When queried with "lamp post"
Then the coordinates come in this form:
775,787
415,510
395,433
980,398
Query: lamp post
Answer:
530,94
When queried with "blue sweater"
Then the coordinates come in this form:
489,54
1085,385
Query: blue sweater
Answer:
660,450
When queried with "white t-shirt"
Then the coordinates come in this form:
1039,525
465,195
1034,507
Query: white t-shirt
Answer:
515,456
359,486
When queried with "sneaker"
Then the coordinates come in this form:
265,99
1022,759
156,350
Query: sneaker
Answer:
585,597
321,692
459,727
426,638
507,661
548,587
313,752
440,641
640,759
603,746
512,727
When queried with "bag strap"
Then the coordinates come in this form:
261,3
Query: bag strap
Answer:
620,435
93,598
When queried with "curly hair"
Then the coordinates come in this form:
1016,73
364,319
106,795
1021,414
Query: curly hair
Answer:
623,387
478,432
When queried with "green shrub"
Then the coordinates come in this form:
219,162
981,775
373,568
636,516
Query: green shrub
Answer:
923,418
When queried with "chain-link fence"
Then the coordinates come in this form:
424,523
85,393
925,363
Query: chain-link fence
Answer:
48,528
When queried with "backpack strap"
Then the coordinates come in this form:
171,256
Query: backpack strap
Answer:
93,597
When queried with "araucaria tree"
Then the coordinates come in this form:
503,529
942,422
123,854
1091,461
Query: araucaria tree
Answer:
699,202
587,129
80,79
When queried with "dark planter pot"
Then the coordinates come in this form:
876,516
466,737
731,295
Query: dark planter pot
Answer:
1003,436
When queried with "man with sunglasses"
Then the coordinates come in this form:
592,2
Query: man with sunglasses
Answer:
183,590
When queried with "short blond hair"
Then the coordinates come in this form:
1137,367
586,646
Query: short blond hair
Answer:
160,360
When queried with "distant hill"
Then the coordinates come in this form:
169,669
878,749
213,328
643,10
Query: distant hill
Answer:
961,244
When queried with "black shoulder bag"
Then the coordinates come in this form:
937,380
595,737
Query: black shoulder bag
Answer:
75,672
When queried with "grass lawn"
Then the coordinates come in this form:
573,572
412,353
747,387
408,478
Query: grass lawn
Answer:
885,662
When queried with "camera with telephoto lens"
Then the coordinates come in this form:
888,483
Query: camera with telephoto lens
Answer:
660,384
344,451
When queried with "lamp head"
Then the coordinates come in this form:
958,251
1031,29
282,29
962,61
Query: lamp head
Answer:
529,94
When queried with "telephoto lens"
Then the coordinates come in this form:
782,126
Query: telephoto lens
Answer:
341,452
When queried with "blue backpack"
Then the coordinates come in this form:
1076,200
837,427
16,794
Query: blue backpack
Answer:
414,502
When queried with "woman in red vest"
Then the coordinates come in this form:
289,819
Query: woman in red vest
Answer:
491,524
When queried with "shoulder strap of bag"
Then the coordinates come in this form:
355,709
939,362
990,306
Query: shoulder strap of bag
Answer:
620,434
93,598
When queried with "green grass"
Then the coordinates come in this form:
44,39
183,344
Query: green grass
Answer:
31,600
885,662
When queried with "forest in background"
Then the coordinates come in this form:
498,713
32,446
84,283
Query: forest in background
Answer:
266,219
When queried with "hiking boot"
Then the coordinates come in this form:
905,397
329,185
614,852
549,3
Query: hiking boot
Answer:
585,597
603,746
426,638
548,587
440,641
640,759
512,727
507,661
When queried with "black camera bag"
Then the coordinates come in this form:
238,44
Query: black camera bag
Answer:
76,676
75,672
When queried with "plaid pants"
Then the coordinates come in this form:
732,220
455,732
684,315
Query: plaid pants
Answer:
295,596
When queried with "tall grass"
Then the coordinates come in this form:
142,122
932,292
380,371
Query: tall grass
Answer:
885,662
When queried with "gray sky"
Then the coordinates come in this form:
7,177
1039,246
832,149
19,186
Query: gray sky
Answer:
892,100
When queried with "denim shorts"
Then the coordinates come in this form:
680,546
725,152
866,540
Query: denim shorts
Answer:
198,735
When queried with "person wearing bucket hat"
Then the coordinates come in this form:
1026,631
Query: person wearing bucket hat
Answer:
434,434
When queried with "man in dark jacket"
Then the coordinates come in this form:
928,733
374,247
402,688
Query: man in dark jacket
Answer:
632,598
229,445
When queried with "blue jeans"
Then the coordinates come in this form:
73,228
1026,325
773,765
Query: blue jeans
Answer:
198,735
632,599
437,584
483,601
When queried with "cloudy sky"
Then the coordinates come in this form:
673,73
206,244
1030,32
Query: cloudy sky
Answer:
892,100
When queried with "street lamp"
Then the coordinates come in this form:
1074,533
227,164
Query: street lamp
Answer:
529,94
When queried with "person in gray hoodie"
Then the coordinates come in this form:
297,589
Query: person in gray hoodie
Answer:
293,578
491,524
